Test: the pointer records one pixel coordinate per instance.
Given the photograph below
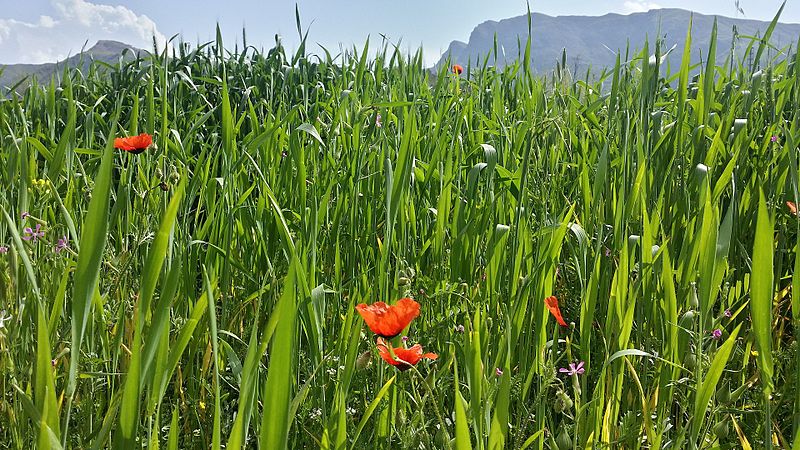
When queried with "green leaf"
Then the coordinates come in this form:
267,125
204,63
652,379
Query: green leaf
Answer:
94,234
709,384
371,409
761,292
498,431
275,421
312,130
462,438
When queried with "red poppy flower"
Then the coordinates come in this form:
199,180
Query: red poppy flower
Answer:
134,144
792,207
457,69
552,304
389,321
403,358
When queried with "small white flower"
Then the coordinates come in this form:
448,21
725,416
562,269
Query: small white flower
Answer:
332,371
350,411
315,414
4,317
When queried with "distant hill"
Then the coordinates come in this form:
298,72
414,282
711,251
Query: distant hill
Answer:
594,41
106,51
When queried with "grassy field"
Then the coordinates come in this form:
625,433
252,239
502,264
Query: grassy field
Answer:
203,293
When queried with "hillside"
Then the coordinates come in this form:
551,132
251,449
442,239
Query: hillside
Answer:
106,51
594,41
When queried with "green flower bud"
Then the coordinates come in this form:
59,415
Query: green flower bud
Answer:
721,429
687,320
724,394
690,361
563,440
694,303
364,360
563,402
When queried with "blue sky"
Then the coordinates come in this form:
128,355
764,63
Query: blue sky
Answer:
44,30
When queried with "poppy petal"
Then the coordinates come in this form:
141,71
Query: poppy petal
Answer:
552,305
134,144
389,321
402,358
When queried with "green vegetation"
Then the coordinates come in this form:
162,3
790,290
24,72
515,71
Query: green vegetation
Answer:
203,292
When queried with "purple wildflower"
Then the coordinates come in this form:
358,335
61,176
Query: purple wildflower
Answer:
773,139
378,122
33,235
62,244
25,215
573,369
728,313
405,338
3,249
498,372
459,328
716,334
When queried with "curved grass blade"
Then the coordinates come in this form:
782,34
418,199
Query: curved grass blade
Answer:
275,421
94,235
709,384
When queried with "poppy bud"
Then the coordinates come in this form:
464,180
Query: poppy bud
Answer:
690,361
563,402
721,429
724,394
159,173
693,300
687,320
563,441
364,360
440,440
164,186
174,176
403,281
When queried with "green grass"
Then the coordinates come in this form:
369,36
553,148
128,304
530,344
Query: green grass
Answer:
208,295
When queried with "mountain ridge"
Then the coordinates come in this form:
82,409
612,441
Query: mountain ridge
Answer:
593,41
105,50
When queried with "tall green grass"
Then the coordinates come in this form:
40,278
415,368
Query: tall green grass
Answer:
207,296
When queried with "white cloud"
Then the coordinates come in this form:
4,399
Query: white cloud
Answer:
634,6
75,24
